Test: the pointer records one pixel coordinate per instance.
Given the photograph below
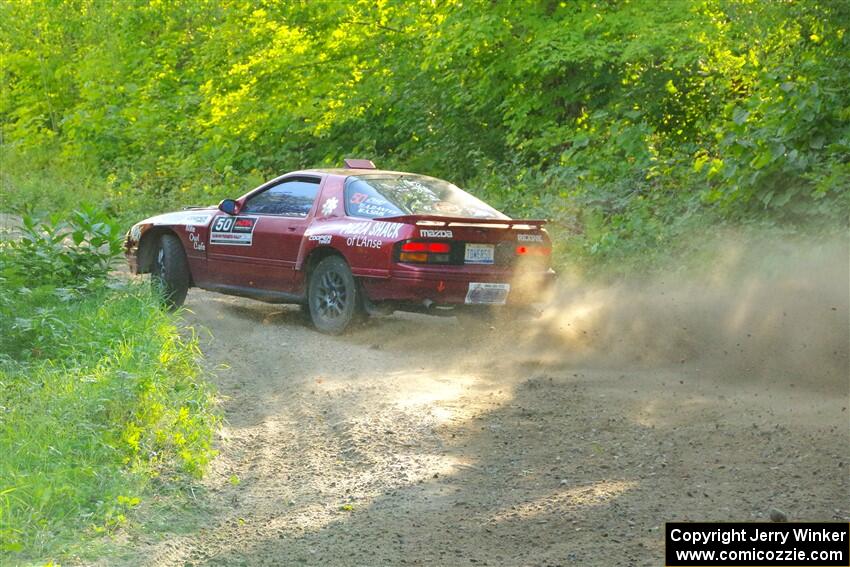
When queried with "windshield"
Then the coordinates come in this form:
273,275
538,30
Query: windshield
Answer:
387,195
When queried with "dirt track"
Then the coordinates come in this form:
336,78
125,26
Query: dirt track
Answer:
567,440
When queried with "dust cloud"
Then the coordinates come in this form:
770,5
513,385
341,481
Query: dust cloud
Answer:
756,310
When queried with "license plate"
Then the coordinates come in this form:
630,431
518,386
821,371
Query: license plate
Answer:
479,254
487,293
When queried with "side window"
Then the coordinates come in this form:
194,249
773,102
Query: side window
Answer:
291,198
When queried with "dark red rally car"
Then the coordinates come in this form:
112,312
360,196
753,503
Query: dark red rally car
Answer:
346,241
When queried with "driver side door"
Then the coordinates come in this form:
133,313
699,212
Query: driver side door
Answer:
257,249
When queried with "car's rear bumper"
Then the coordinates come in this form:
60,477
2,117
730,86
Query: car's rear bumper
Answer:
451,288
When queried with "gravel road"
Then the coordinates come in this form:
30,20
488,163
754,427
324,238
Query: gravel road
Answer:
569,439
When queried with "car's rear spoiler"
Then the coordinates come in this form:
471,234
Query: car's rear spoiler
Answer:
437,220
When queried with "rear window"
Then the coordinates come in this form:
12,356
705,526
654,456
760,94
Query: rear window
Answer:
377,196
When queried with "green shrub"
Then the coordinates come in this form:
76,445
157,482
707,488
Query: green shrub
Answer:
100,391
43,272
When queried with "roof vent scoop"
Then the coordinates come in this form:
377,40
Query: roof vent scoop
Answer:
359,164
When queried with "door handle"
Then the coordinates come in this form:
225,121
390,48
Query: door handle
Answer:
292,228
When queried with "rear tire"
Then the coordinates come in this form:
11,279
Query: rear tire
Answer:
170,271
333,298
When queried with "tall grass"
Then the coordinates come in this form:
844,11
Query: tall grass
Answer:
44,178
100,391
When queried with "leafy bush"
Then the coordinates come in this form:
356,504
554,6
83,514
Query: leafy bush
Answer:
75,253
52,263
99,390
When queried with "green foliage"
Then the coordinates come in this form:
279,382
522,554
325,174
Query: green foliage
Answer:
69,254
725,109
99,392
50,264
785,141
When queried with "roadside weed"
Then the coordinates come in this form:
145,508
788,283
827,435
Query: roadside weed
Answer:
99,391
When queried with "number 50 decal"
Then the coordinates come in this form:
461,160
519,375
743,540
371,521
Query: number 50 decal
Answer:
233,231
223,224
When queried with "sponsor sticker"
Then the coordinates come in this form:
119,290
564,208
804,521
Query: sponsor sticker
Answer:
244,224
196,220
529,237
195,239
363,242
329,206
233,231
373,210
321,238
372,206
372,228
483,293
435,233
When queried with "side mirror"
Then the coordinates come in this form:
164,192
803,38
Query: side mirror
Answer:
228,206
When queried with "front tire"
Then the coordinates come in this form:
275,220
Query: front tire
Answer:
170,271
333,298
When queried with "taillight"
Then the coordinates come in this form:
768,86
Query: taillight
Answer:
523,250
425,252
438,247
